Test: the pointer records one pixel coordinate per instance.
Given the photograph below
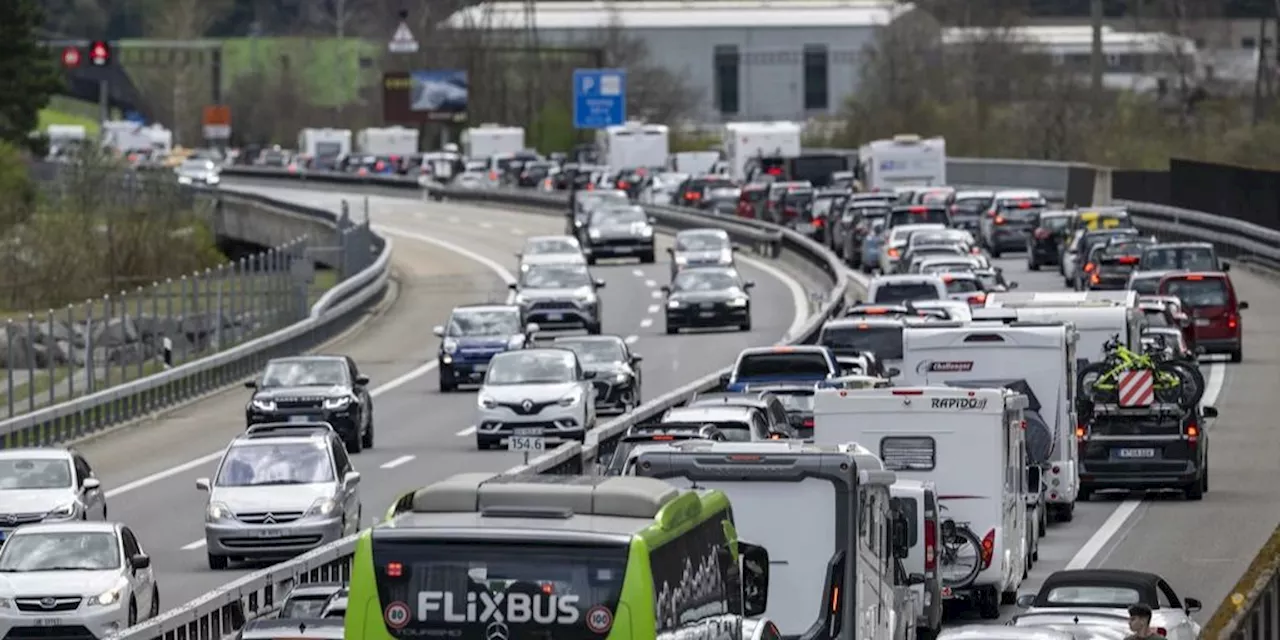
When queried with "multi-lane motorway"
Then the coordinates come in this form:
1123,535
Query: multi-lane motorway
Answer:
448,254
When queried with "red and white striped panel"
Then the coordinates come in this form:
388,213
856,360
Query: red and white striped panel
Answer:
1137,388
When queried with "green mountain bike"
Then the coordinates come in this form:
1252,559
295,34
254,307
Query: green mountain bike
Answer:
1174,381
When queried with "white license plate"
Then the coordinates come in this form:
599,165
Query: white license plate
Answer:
1135,453
622,249
274,533
1202,322
708,305
707,314
527,431
49,622
481,368
555,317
526,443
296,419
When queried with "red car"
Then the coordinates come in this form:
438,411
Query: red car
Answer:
1210,299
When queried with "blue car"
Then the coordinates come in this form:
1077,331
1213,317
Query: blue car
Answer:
475,333
872,244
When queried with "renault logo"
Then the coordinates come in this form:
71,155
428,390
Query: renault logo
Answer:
48,603
527,405
497,630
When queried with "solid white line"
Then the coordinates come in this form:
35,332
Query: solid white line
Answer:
653,308
632,339
799,299
650,283
388,386
466,432
191,546
397,462
646,323
637,273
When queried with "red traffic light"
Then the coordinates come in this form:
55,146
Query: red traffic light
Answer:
70,57
100,54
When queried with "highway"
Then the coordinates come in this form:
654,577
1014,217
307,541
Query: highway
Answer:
446,252
445,255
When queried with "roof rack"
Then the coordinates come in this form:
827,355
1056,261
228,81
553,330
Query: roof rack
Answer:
1112,409
546,496
288,430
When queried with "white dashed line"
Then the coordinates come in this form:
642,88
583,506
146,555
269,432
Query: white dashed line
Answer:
646,323
397,462
650,283
632,339
517,232
192,546
486,225
656,294
453,219
466,432
653,308
637,273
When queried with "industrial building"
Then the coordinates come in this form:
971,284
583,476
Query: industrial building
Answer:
750,59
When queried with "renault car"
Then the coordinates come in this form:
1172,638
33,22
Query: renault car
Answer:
540,393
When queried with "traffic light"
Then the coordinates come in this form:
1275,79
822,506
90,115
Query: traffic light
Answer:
99,54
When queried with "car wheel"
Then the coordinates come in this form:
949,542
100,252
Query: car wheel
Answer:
1237,356
155,602
218,563
366,440
672,330
746,326
446,383
593,329
1195,490
591,260
1083,495
647,258
1032,265
355,444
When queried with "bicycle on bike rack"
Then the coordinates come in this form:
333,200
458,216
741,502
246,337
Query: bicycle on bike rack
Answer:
959,554
1173,380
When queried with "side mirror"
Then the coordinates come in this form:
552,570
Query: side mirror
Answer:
513,286
733,248
637,359
1193,605
351,479
1243,305
599,284
1012,285
532,328
1226,266
901,533
140,561
748,285
588,375
671,250
653,220
755,578
89,484
362,380
915,578
1209,412
202,484
666,289
892,372
438,331
251,384
1026,600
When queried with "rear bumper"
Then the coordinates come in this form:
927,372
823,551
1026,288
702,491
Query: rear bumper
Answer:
1168,475
1044,254
1219,345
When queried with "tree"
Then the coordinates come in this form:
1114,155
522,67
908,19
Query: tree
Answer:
28,76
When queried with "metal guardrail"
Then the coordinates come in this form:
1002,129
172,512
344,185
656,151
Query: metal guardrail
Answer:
257,594
131,400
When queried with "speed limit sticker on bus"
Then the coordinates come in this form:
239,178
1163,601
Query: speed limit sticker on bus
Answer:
397,615
599,619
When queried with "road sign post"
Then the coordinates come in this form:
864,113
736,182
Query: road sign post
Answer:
599,98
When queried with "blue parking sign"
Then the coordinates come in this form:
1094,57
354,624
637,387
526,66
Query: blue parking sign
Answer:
599,98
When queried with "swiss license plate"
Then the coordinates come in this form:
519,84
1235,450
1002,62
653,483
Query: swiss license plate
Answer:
1202,322
555,317
481,368
526,443
527,431
707,314
273,533
1135,453
296,419
708,305
49,622
622,249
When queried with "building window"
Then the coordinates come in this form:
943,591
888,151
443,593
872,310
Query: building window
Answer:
726,62
816,92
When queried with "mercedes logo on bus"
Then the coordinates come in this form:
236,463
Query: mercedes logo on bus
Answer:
497,630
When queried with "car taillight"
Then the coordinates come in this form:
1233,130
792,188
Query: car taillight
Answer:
379,165
1080,434
394,569
1162,632
493,175
1089,267
1095,279
1000,219
978,298
1128,259
692,195
988,548
1041,234
622,184
1233,321
893,252
1193,434
807,423
930,546
817,223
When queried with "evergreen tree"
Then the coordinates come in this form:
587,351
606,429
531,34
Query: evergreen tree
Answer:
28,72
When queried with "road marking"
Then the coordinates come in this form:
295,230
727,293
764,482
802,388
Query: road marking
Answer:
466,432
388,386
516,232
649,283
799,298
646,323
192,546
1118,518
632,339
397,462
637,273
653,308
453,219
656,293
486,225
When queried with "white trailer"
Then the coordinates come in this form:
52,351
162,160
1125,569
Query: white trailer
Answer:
322,144
488,140
387,141
694,163
746,140
634,145
904,160
125,136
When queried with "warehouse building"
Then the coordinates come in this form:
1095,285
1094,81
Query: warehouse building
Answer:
751,59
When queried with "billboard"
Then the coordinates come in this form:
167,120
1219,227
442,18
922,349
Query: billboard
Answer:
436,95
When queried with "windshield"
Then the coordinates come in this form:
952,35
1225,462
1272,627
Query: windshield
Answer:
701,242
53,473
1093,596
903,292
619,216
699,280
262,464
918,215
783,364
1054,223
60,551
197,165
1208,292
517,367
551,245
1145,286
304,607
972,205
484,323
962,285
555,277
884,341
466,589
1188,258
595,352
305,373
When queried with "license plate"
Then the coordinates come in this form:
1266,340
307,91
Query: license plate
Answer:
49,622
481,368
527,431
1202,322
526,443
622,249
708,305
1135,453
707,314
297,419
555,317
273,533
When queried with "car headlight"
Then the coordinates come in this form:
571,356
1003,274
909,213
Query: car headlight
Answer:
682,260
738,302
520,300
108,597
585,295
594,233
264,404
620,378
65,511
6,603
646,231
324,507
450,345
571,399
337,403
516,342
673,304
213,179
485,402
216,511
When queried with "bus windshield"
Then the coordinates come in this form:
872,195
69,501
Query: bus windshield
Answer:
464,588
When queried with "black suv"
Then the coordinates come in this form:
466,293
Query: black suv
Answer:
618,232
1139,448
309,389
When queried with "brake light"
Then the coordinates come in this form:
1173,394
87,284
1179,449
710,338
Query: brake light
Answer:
988,548
808,423
1080,432
1041,234
978,298
692,195
1128,259
930,546
547,588
664,437
817,223
1000,219
1232,321
1095,279
1162,632
493,175
893,252
774,171
917,209
623,184
1193,433
908,392
1025,204
790,212
1196,278
395,570
775,436
874,310
1089,267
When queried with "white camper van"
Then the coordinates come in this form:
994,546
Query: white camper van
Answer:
903,160
746,140
488,140
1036,359
634,145
918,503
387,141
968,443
1096,320
324,146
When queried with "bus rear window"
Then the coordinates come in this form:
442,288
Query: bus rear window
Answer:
885,341
461,589
898,293
784,364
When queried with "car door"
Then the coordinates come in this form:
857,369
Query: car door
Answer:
141,581
94,500
350,493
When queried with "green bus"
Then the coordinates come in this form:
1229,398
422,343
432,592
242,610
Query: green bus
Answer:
490,557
